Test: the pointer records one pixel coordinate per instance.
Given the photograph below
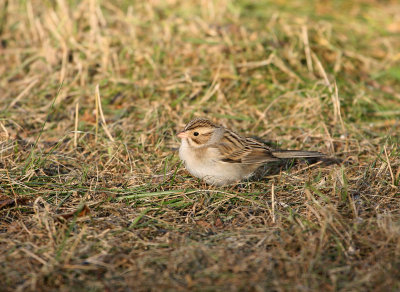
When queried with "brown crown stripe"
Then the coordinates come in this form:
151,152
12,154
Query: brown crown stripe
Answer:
196,123
195,127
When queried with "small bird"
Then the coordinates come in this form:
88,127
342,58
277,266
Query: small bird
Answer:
220,156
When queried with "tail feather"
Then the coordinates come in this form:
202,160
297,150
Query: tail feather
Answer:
296,154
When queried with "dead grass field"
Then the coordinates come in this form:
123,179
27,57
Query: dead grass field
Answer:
92,193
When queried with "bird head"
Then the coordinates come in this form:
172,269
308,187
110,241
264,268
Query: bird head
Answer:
198,132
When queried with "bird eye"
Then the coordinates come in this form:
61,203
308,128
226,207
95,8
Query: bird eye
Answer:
196,133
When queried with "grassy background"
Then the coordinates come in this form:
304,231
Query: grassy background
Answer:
98,200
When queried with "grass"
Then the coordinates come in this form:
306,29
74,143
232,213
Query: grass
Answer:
92,193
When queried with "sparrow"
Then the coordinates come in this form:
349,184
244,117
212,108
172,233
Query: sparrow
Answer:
220,156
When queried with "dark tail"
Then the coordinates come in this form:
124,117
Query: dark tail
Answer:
296,154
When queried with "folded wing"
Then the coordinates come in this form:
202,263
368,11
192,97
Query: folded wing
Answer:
250,151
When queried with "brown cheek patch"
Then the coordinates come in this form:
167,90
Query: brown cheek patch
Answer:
205,137
229,160
201,139
196,140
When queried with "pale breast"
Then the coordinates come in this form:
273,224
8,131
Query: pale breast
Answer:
205,164
199,162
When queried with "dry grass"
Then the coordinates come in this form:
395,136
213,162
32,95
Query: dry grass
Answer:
98,200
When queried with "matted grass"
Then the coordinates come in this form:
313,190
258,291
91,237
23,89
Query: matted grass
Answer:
93,196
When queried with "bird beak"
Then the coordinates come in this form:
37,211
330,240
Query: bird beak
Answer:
182,135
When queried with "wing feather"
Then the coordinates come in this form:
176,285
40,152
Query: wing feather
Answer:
245,151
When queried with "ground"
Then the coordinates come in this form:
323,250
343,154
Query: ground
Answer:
93,196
